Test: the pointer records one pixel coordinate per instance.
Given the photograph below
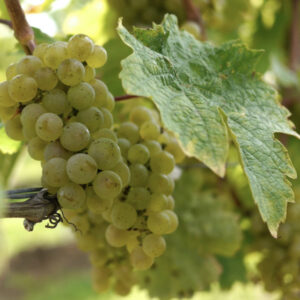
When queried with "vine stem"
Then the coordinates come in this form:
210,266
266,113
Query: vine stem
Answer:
125,97
23,32
6,22
295,36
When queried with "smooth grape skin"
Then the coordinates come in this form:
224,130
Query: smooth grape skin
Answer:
92,118
28,65
13,129
154,245
101,279
5,99
153,146
101,92
158,202
140,260
70,72
173,221
54,54
139,197
96,204
55,101
6,113
49,127
54,172
124,145
140,114
129,131
55,149
123,171
71,196
105,133
97,58
138,154
139,175
45,78
75,136
116,237
36,148
80,47
150,130
174,148
11,71
123,215
108,118
159,223
81,96
160,183
81,168
162,162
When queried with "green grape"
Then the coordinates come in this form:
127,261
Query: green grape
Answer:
162,162
11,71
106,215
105,152
123,215
81,168
5,99
91,117
139,175
123,171
80,47
36,148
160,183
140,114
13,128
107,184
124,145
158,202
55,54
174,148
81,222
193,28
164,138
173,221
101,93
153,146
101,279
55,149
171,203
98,257
45,78
81,96
71,196
54,172
96,204
107,118
149,130
55,101
75,137
121,288
28,65
138,154
154,245
116,237
132,243
7,113
22,88
139,197
110,102
140,260
129,131
105,133
49,127
39,50
89,73
70,72
159,222
97,58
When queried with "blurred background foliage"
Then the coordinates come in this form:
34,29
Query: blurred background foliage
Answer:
221,248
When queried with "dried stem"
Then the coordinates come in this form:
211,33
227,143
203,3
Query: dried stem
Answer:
6,22
23,32
295,36
193,14
125,97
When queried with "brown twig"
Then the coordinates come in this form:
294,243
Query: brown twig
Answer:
23,32
125,97
193,14
6,22
295,36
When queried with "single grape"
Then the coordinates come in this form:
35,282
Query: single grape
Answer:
123,171
101,93
159,222
101,279
173,221
81,222
110,102
13,128
140,260
107,118
36,148
31,113
139,175
39,50
54,54
92,118
55,101
160,183
80,47
154,245
138,154
70,72
123,215
105,133
5,99
11,71
124,145
162,162
55,149
45,78
96,204
28,65
150,130
71,196
89,73
158,202
132,243
98,57
49,127
129,131
139,197
153,146
81,96
170,203
116,237
140,114
6,113
174,148
54,172
121,288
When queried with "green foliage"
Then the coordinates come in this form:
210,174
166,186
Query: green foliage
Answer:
211,87
7,145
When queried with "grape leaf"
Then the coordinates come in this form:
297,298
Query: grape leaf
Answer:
200,91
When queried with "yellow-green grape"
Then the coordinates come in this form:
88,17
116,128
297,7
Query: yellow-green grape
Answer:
105,152
101,92
173,221
89,73
55,149
81,96
154,245
192,28
159,222
123,215
140,114
92,118
36,148
75,137
174,148
5,99
124,145
121,288
164,138
7,113
96,204
101,279
71,196
54,172
55,101
150,130
139,197
39,50
140,260
116,237
106,215
158,202
98,257
123,171
162,162
107,118
55,53
97,58
81,168
132,243
160,183
11,71
105,133
171,203
138,154
28,65
13,129
153,146
80,47
70,72
129,131
45,78
49,127
110,102
139,175
22,88
81,222
107,184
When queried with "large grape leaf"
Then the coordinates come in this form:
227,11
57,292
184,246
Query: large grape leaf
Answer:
200,91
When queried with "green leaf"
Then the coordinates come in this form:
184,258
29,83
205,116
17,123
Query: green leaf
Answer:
200,91
42,37
7,145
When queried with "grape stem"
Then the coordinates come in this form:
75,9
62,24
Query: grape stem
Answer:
125,97
294,36
23,32
194,15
